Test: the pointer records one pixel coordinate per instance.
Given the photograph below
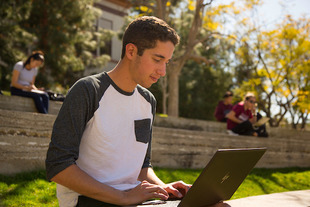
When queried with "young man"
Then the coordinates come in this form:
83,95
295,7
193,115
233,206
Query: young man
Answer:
224,107
241,118
99,153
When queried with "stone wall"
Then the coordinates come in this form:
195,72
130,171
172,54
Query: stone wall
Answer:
177,142
18,103
24,139
180,148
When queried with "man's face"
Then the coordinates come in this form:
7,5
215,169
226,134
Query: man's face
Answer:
251,103
148,68
229,99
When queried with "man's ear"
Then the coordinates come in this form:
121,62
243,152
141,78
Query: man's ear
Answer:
131,50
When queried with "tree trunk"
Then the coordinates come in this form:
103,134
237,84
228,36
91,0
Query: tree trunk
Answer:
163,85
173,98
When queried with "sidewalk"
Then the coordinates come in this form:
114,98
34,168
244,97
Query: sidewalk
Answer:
286,199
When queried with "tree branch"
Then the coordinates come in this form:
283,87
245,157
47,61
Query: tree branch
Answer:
199,59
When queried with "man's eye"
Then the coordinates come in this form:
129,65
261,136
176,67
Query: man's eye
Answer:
157,60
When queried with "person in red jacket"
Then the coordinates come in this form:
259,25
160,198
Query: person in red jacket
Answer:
242,116
224,107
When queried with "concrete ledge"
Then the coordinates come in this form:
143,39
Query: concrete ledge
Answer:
212,126
177,148
172,148
26,121
22,153
18,103
24,139
190,124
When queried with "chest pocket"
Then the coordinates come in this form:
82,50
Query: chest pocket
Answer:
143,130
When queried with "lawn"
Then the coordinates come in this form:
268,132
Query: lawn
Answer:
32,189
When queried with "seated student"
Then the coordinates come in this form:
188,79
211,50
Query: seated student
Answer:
224,107
260,129
240,118
23,79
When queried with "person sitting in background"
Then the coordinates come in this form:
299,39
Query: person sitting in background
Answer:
240,118
23,79
259,128
224,107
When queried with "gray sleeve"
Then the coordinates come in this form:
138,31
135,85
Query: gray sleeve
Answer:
147,159
77,109
18,66
151,99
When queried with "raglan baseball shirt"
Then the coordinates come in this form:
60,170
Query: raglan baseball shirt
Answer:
105,131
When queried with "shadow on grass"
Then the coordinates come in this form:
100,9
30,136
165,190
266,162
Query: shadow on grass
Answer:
280,180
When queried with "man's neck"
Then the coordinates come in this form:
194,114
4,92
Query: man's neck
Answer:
121,78
225,102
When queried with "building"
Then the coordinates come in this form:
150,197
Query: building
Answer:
112,18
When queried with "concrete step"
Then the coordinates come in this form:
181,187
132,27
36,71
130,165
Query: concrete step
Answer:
191,149
22,153
24,139
18,103
26,120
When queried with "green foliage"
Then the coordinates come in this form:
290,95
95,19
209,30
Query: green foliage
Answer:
14,40
280,75
201,87
63,30
66,34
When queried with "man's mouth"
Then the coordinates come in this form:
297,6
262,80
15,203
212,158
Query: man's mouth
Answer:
154,79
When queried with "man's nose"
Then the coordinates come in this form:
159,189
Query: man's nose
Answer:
162,70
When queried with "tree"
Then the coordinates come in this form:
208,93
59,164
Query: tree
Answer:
65,32
14,40
281,73
271,62
191,22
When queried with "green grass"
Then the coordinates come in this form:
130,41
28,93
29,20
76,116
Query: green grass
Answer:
32,189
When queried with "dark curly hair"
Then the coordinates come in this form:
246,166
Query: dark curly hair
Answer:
145,31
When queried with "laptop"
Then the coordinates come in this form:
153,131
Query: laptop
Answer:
219,180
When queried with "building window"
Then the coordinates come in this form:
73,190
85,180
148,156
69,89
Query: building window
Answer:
107,47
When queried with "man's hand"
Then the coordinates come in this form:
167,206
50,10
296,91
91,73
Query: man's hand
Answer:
145,191
177,189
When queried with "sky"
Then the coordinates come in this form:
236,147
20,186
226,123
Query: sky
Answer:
273,11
